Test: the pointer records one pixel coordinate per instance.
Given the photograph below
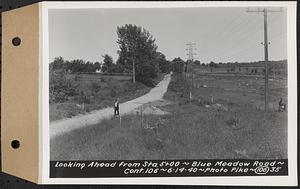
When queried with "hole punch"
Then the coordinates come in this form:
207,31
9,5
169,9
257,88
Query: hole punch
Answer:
15,144
16,41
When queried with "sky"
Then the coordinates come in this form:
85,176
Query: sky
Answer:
219,34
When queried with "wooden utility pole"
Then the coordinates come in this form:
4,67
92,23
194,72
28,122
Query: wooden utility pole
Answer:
131,47
133,69
266,44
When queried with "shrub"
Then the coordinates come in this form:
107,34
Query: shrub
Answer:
95,87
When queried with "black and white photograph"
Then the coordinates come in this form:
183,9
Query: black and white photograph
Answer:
190,83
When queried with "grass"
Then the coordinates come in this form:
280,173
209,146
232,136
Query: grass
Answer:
99,95
236,128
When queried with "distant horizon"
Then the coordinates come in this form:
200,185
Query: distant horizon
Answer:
221,34
256,61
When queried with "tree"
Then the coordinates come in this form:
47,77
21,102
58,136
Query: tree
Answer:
58,63
97,66
74,66
164,64
212,65
178,65
137,46
59,87
197,62
77,66
108,64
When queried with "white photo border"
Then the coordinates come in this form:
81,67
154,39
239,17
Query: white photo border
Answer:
44,139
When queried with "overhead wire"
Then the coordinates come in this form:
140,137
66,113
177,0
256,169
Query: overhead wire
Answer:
237,34
239,42
245,38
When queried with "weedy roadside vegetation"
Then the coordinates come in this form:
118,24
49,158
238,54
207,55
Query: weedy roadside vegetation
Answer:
95,95
224,119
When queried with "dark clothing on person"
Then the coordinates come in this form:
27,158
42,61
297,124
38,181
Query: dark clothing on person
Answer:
117,111
282,106
116,107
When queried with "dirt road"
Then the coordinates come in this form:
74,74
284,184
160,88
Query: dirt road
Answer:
63,126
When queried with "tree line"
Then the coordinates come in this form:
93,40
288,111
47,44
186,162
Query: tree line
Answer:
136,45
74,66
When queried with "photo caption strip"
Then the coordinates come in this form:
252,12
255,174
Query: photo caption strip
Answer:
167,168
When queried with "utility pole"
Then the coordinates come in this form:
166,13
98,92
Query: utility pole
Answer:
132,48
266,44
133,69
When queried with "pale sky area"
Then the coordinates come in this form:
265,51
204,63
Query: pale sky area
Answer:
220,34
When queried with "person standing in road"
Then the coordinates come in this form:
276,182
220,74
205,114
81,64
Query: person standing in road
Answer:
116,107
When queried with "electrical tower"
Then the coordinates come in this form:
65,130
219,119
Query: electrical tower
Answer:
190,49
266,44
191,54
188,67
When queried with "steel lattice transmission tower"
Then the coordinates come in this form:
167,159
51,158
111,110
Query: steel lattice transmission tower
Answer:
190,49
190,53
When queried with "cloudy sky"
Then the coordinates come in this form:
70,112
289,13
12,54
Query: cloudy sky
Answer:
220,34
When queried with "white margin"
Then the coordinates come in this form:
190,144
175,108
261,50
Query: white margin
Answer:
292,92
290,180
45,139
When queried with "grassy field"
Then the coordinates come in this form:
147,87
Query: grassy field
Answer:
225,119
99,96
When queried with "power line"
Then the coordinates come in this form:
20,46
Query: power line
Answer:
281,34
224,51
239,29
240,42
239,52
226,22
242,38
256,43
225,31
236,19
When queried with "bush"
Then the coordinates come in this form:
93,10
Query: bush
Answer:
60,88
146,72
95,88
149,82
83,98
